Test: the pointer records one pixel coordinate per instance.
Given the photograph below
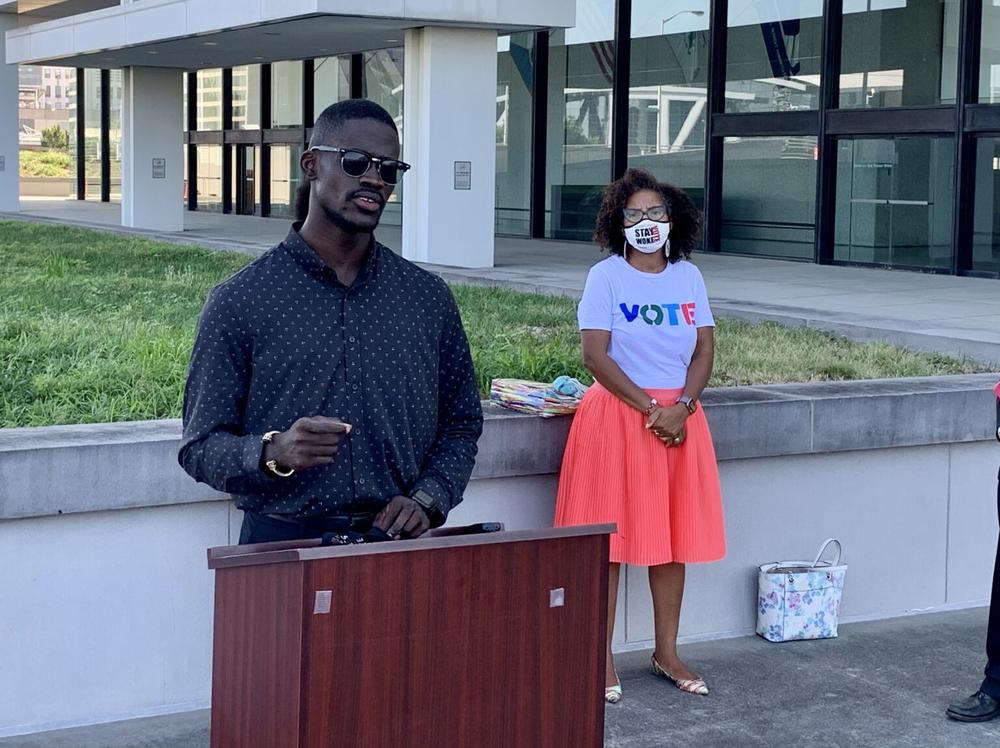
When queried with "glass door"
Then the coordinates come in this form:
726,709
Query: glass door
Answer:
894,201
247,188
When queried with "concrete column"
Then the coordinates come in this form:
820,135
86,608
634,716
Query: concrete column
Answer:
450,109
10,183
152,149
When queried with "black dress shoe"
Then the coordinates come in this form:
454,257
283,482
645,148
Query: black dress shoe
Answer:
979,707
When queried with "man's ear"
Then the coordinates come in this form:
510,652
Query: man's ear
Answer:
308,163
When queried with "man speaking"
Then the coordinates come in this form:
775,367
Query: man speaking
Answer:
331,387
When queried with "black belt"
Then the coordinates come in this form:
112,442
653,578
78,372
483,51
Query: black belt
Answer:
354,521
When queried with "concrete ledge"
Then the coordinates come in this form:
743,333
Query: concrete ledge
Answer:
96,467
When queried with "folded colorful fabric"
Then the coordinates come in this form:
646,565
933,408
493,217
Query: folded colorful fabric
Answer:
558,398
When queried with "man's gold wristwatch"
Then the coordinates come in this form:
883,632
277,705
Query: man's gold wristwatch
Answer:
272,465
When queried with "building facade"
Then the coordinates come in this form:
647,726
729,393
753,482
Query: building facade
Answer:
835,131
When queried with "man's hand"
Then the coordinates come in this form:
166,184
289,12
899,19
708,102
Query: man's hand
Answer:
403,518
309,442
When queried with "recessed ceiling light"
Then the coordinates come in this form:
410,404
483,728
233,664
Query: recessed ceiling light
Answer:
392,41
272,33
152,52
211,44
258,58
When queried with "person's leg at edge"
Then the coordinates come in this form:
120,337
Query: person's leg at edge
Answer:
991,684
666,583
985,703
614,571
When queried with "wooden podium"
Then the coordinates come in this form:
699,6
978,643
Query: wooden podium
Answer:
457,640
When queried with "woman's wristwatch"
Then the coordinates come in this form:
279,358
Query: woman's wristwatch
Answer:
688,402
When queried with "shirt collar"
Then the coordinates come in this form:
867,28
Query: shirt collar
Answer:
306,256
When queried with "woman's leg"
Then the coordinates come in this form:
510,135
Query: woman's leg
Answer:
666,583
610,679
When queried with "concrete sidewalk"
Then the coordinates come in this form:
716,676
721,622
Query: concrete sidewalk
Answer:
947,314
880,685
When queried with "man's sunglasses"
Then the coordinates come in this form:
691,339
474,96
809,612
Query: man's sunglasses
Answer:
356,163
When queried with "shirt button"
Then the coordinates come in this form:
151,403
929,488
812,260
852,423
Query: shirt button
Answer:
352,339
361,481
354,386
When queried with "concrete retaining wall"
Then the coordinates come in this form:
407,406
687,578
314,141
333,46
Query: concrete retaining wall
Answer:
105,605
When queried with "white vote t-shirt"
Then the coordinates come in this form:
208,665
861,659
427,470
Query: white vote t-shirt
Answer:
653,318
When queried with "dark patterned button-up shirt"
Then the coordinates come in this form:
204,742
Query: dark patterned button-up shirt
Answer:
283,338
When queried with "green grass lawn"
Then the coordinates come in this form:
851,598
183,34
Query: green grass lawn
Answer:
97,327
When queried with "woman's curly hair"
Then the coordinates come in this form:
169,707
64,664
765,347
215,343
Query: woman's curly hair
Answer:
685,218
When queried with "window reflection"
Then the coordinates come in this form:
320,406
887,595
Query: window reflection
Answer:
894,201
986,224
773,55
899,53
668,91
989,61
209,101
246,97
779,220
209,181
515,78
581,71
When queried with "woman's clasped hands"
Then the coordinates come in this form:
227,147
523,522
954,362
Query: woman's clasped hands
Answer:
667,424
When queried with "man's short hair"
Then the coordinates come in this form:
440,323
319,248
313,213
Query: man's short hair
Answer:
335,115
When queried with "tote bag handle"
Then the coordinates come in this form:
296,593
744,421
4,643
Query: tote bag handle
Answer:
822,550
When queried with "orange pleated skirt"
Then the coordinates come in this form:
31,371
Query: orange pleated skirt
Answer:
666,501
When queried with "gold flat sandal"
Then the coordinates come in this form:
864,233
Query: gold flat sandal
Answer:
613,694
687,685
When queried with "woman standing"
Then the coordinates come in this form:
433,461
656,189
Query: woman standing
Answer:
639,452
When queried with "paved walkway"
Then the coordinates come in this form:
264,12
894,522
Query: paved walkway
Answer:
880,685
953,315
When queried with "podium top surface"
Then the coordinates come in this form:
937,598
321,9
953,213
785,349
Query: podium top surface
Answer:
310,550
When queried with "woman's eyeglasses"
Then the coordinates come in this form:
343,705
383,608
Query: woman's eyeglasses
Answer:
356,163
658,213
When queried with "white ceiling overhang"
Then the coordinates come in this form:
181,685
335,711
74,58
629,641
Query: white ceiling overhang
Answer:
195,34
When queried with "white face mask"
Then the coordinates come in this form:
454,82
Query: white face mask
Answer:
648,236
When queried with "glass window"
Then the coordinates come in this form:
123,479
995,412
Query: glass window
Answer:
209,106
285,174
894,201
246,97
899,53
986,223
383,84
779,221
772,55
578,166
115,134
331,82
667,92
515,77
989,61
92,132
209,181
286,94
46,133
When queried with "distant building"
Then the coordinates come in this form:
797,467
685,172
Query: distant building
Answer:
870,136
